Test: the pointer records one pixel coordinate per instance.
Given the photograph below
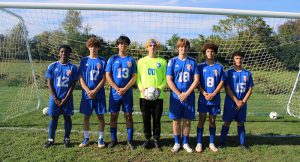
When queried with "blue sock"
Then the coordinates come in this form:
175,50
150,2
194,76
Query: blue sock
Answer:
212,134
177,139
68,126
113,134
52,127
129,134
242,132
185,139
199,135
224,133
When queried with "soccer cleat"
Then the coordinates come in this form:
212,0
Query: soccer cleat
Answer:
146,144
187,148
130,145
67,142
221,146
112,144
49,143
157,144
245,147
212,147
85,142
101,143
199,148
176,147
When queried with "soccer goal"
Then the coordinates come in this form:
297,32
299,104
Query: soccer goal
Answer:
30,34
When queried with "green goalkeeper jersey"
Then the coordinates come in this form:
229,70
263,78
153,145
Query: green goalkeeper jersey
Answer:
152,73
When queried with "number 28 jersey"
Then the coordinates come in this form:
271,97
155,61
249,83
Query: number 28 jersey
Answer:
63,75
92,71
121,70
210,77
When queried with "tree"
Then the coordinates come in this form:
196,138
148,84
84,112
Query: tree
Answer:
172,42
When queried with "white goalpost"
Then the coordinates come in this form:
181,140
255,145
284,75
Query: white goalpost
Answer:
30,34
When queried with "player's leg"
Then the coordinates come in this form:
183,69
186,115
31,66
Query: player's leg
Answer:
114,108
86,108
177,134
127,108
68,128
146,115
186,132
224,133
156,115
242,134
200,129
212,133
54,114
100,109
229,114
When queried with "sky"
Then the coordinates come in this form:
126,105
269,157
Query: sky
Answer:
141,27
268,5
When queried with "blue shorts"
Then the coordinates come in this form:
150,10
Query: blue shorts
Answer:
116,101
211,109
66,109
179,110
230,114
88,105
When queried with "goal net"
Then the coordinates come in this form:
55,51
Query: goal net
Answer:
271,45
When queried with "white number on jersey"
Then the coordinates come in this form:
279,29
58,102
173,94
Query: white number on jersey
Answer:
94,74
62,83
125,73
210,81
240,87
184,77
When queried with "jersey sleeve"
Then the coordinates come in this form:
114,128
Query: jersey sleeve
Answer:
108,67
222,74
170,71
226,76
80,69
196,69
134,68
49,72
251,83
75,73
138,79
163,76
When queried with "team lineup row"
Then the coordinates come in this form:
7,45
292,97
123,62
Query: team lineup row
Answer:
182,74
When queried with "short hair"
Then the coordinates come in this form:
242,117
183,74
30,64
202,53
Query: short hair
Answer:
67,47
93,42
183,42
212,46
237,53
123,38
150,41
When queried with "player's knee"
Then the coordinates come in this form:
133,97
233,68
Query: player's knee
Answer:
100,117
86,117
128,116
240,123
227,124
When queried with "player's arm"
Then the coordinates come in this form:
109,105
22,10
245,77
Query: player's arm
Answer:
195,83
162,76
239,103
83,85
131,82
52,91
172,86
111,81
100,85
248,94
217,90
69,93
138,79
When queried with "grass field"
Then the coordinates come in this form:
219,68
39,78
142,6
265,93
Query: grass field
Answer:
24,129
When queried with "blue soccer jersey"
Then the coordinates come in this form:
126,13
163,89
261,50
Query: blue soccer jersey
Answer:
121,70
239,83
210,77
92,71
63,75
183,72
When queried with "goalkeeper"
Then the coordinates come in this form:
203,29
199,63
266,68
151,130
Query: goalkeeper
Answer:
151,73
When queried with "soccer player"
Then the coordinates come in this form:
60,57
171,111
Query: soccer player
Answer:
238,85
182,78
61,76
152,73
121,75
211,82
92,80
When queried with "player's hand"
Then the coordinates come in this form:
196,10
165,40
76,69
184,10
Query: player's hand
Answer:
57,101
183,96
92,94
239,104
122,91
158,92
143,92
63,101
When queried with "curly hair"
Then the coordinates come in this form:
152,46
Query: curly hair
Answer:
212,46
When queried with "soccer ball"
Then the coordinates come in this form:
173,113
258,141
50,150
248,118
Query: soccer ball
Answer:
46,111
273,115
151,93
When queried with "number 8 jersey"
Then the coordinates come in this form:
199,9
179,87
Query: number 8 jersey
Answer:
92,71
210,77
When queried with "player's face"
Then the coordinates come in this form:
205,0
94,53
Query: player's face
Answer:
183,50
152,48
123,46
94,50
64,55
238,61
209,54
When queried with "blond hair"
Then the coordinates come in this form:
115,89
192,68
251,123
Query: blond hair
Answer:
150,41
